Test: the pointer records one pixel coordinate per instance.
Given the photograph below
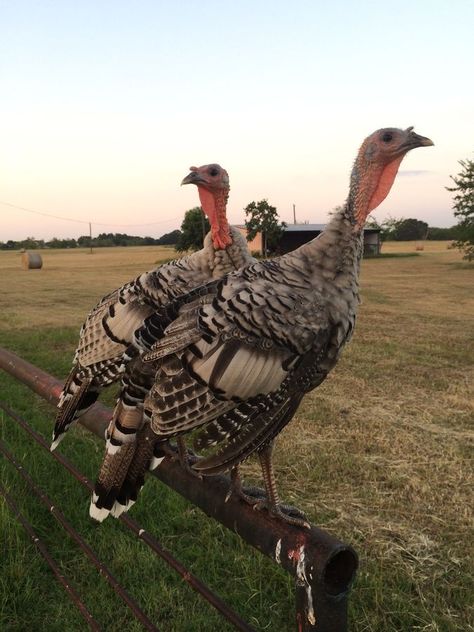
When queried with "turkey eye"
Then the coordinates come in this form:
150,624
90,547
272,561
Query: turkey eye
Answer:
213,172
387,137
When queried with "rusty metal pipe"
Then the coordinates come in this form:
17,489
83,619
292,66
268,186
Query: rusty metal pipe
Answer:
324,567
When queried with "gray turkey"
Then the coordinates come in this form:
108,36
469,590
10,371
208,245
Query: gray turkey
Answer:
233,359
108,330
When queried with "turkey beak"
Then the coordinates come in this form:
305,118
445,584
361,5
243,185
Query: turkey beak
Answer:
415,140
193,178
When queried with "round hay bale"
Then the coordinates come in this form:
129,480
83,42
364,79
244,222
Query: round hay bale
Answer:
31,261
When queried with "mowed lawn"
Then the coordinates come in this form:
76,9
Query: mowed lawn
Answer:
380,455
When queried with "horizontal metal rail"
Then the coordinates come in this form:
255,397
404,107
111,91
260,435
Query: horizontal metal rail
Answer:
42,548
137,530
324,568
59,516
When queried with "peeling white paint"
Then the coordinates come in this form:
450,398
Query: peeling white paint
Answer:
300,570
310,614
278,552
302,578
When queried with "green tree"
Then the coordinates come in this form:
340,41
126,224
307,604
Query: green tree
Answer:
389,226
169,239
192,229
463,205
263,218
410,229
442,234
30,243
403,229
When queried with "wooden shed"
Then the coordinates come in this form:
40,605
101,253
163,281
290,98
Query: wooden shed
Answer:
296,235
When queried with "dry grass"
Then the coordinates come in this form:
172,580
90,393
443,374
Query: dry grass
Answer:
412,246
381,454
70,282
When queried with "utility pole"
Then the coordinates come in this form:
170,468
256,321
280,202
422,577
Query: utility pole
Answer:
90,236
294,214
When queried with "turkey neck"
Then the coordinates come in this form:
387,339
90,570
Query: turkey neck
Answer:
335,254
215,207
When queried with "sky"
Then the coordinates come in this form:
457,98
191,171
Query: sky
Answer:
105,105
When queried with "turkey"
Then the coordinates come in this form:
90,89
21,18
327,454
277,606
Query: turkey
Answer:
108,330
233,359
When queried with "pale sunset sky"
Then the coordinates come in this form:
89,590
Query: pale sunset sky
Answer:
105,105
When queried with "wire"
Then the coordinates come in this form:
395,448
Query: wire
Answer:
83,221
29,210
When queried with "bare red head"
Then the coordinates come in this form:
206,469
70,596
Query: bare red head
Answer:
212,182
377,165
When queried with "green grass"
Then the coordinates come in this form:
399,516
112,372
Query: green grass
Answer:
247,581
380,455
207,549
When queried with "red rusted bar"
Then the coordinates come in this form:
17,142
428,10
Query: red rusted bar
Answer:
102,568
324,568
49,388
147,538
92,623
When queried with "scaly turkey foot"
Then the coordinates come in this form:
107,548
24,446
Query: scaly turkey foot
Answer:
250,495
290,515
187,458
294,512
286,513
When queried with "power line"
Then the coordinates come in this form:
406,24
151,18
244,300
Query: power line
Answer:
29,210
82,221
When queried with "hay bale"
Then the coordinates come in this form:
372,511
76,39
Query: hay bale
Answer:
31,261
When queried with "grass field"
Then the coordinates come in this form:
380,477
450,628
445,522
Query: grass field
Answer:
380,455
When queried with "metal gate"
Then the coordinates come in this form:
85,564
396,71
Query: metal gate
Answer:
323,567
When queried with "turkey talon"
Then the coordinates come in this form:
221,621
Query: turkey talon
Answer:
254,492
293,512
250,495
284,513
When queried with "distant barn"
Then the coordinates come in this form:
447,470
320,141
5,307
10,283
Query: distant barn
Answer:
296,235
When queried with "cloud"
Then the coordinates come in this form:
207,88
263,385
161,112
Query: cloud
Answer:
414,172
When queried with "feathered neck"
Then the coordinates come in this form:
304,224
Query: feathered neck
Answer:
340,244
369,186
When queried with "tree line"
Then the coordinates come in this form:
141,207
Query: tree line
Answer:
104,240
262,218
411,229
